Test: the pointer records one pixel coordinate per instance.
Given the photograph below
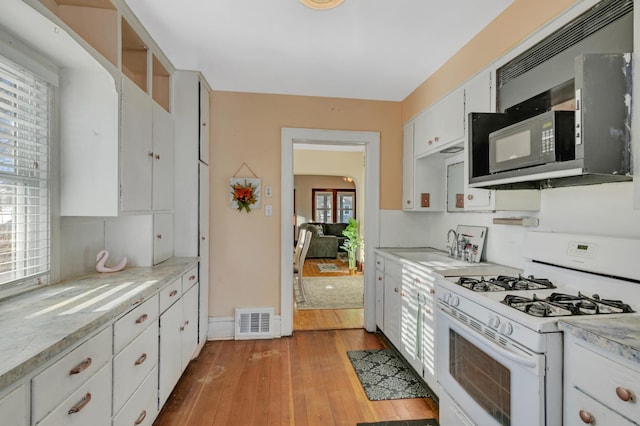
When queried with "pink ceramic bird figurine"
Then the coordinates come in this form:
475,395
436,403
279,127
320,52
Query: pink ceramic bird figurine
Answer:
102,258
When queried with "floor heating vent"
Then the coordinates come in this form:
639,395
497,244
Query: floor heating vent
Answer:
254,323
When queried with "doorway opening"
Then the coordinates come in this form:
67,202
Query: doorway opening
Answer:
328,191
368,201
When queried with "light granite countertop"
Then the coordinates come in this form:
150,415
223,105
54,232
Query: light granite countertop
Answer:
619,334
440,262
39,325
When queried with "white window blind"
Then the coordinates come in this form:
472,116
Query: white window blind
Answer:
24,173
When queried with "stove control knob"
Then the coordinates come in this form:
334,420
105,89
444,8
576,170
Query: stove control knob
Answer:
506,328
455,301
446,298
494,321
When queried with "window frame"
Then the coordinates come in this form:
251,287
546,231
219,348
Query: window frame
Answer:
45,74
334,200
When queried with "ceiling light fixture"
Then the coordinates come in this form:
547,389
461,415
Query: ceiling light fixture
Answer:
321,4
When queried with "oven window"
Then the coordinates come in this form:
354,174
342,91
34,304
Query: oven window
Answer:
487,381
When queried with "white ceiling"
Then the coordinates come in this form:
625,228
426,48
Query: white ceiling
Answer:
363,49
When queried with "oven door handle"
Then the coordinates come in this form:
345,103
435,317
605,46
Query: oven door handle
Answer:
491,345
527,362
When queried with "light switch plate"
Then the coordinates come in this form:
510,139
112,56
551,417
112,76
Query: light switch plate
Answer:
268,210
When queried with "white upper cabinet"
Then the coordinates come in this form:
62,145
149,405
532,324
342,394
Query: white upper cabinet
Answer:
136,148
441,125
407,166
162,169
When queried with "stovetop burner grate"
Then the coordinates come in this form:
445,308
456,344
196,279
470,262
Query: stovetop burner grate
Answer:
505,283
560,304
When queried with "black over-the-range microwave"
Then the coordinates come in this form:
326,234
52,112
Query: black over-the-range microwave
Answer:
585,139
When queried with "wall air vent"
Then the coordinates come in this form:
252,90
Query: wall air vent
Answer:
590,22
254,323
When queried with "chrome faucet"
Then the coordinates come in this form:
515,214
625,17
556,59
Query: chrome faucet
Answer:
452,246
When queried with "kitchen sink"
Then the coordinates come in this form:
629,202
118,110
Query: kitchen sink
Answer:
435,260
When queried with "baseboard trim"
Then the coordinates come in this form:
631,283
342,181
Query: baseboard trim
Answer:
223,328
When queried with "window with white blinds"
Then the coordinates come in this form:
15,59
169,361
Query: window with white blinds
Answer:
24,175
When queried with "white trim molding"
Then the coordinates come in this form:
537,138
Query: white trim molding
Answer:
371,143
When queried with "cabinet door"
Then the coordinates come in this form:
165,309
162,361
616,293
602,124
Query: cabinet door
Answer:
410,327
477,99
162,198
580,409
448,119
163,237
423,133
13,409
170,362
203,274
392,303
380,299
189,328
136,151
407,166
204,123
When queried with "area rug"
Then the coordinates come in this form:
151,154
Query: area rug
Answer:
332,293
421,422
384,375
328,267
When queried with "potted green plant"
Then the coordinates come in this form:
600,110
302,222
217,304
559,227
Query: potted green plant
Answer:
352,242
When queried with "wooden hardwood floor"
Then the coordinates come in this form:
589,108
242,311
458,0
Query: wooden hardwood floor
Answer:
326,319
305,379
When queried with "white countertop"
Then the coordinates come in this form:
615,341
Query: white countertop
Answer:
439,262
38,325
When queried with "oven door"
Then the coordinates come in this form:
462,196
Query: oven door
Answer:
490,383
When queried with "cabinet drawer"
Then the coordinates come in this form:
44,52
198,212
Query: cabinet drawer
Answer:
133,364
142,408
135,322
601,378
189,279
89,405
170,294
580,405
57,381
13,409
380,263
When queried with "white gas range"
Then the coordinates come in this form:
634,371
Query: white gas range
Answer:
499,352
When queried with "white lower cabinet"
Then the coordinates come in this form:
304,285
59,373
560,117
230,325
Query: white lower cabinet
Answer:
13,407
392,301
56,382
178,340
133,364
599,387
90,404
142,407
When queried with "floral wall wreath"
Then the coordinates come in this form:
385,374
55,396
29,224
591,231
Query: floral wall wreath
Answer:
245,192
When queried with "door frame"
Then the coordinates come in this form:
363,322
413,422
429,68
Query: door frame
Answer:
371,142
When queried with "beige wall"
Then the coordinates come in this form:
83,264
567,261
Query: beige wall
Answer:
304,186
505,32
246,128
245,248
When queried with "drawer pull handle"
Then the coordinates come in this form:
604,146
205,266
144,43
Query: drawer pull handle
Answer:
395,290
432,290
192,277
586,417
173,293
142,359
142,319
80,367
624,394
80,405
141,417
